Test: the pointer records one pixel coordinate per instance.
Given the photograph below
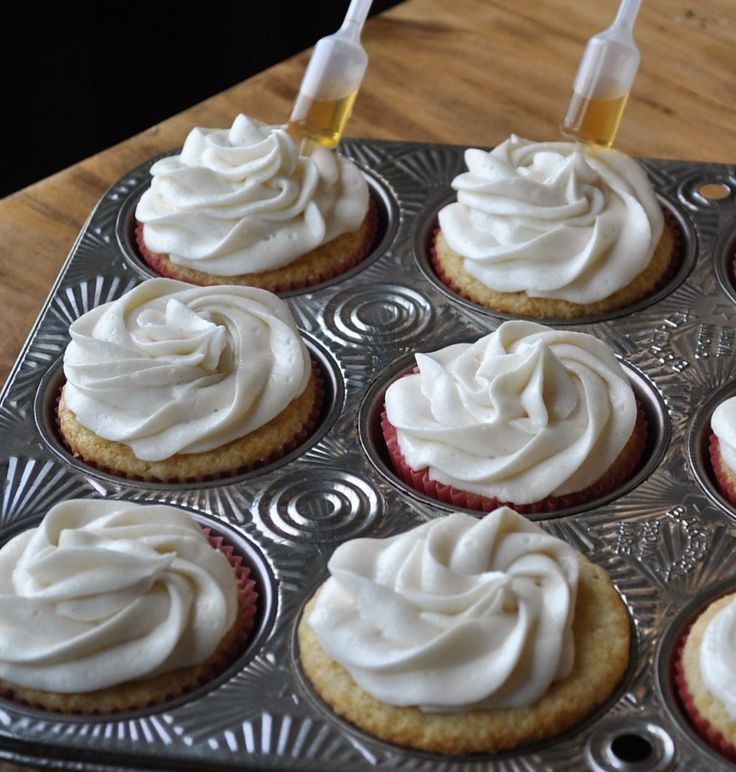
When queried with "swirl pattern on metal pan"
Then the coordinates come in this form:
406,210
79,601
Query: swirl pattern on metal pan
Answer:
665,539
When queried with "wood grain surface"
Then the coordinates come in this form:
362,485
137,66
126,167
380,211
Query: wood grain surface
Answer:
468,72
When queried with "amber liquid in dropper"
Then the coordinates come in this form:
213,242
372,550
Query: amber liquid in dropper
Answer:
321,120
594,120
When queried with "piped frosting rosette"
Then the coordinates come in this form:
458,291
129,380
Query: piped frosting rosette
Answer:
170,368
523,414
106,592
544,218
243,200
455,614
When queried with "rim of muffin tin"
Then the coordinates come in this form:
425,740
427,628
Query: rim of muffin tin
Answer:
49,388
599,735
664,668
261,572
659,434
698,451
387,210
686,246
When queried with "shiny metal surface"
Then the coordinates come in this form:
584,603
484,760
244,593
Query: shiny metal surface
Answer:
667,539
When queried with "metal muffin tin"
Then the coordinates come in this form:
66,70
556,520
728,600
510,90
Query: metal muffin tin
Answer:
667,538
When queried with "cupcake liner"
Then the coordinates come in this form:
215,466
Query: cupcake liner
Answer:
670,223
706,730
420,480
157,263
440,271
724,476
165,687
291,444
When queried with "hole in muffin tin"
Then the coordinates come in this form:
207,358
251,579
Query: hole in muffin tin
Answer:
631,748
386,209
630,745
698,448
714,191
53,380
266,608
525,751
666,657
685,261
374,445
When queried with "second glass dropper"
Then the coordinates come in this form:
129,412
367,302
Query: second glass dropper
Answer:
603,81
331,82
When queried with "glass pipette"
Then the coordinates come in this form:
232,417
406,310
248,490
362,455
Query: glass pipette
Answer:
604,80
331,82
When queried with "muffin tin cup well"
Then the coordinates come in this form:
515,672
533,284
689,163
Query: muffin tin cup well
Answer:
371,436
387,214
49,391
266,607
686,247
662,539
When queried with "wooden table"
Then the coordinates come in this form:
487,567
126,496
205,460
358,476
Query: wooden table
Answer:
467,72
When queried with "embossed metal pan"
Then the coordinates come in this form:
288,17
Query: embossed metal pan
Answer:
667,539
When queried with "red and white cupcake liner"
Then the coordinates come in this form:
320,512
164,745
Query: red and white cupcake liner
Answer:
724,477
159,265
247,611
420,481
670,222
291,444
247,592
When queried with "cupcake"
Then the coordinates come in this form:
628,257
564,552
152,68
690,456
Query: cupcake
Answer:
243,206
541,229
705,672
464,635
110,606
723,448
173,382
528,416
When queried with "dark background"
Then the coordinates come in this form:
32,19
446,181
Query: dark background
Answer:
81,76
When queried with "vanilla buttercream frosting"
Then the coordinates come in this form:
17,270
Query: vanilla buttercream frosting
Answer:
172,368
723,424
105,592
552,221
458,613
718,657
521,414
244,200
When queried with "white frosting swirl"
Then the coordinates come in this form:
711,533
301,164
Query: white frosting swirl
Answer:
723,423
544,218
457,613
105,592
521,414
718,657
243,200
171,368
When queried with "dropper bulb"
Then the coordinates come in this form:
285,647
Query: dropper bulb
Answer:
331,82
603,81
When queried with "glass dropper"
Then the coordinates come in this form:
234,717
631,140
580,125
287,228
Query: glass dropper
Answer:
331,82
603,81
